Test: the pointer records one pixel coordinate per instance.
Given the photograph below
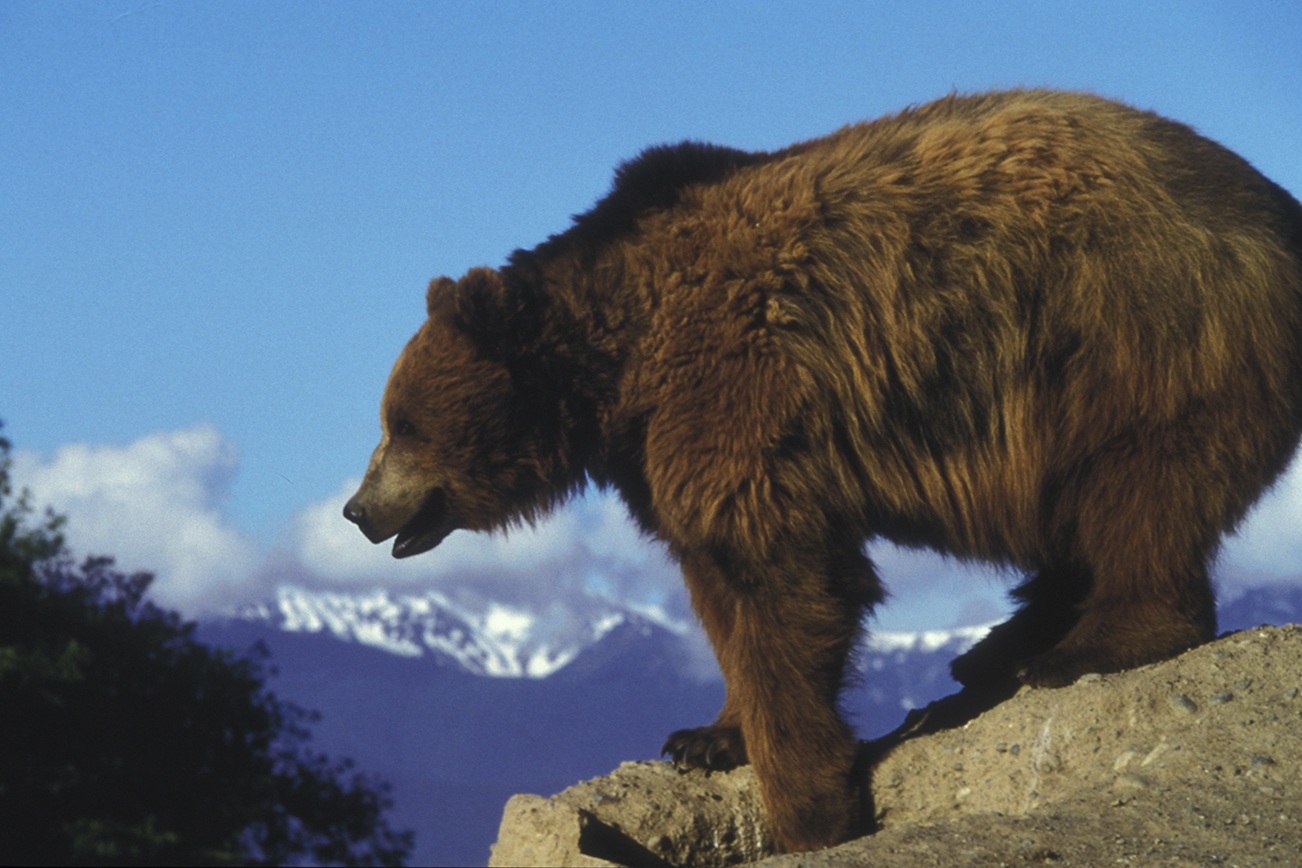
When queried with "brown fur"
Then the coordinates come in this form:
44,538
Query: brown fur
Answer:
1037,328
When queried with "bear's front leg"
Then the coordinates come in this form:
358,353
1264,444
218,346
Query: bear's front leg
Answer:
782,633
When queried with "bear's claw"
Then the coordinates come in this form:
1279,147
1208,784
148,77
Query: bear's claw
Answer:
716,748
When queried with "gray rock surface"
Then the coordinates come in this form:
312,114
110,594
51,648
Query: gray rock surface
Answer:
1195,761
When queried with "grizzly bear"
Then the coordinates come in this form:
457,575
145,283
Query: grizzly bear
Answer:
1037,328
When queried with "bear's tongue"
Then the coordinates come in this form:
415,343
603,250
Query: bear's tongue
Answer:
429,527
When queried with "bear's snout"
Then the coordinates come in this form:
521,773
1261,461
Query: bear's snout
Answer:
355,512
418,529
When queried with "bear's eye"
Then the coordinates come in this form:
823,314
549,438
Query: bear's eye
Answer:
403,428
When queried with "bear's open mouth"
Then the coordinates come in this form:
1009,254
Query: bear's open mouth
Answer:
427,528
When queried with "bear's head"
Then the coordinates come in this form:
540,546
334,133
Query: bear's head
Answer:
458,448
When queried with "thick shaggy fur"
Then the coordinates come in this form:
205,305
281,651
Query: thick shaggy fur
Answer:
1038,328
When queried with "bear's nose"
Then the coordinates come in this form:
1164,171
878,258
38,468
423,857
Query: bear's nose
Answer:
355,512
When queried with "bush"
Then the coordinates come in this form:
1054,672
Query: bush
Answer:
126,741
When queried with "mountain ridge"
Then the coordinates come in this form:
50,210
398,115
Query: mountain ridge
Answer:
491,639
500,640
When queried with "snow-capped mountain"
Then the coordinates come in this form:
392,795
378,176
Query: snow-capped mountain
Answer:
491,639
898,671
460,703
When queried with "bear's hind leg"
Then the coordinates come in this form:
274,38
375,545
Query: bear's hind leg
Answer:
1123,631
1050,608
1146,526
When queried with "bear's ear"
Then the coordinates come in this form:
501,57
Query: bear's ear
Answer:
480,300
441,291
477,298
478,305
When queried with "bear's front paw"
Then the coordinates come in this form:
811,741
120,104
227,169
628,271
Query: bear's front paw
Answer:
716,747
997,660
987,663
1063,667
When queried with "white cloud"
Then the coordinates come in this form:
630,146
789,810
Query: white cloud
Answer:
1268,546
589,544
335,550
926,590
154,505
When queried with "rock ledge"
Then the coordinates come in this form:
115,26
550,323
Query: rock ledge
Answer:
1194,761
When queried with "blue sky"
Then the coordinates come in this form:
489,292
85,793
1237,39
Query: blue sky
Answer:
217,221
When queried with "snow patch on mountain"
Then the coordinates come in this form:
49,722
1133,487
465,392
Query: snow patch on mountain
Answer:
488,638
955,640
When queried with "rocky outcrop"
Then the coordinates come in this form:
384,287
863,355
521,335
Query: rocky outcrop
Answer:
1194,761
645,813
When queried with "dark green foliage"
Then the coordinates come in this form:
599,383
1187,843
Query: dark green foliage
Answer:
125,741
